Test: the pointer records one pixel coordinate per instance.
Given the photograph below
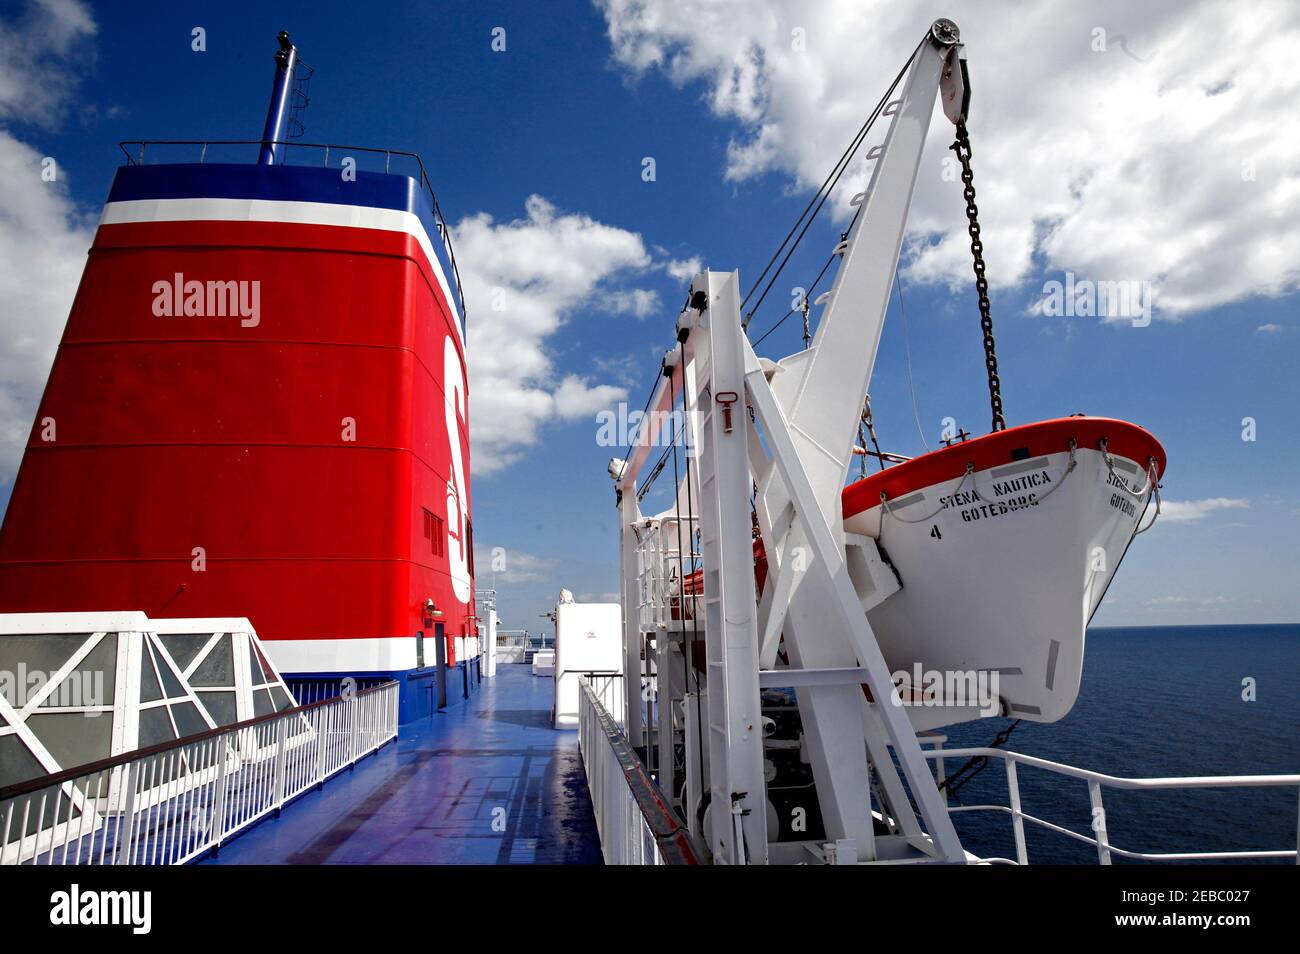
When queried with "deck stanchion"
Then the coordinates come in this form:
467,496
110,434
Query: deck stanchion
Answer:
280,757
1099,822
1017,818
128,816
353,717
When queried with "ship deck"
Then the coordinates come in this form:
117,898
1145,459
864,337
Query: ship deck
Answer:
488,782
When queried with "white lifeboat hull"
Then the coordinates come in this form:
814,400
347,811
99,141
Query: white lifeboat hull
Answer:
1003,566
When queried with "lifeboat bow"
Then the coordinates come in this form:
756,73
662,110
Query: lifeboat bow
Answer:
1004,546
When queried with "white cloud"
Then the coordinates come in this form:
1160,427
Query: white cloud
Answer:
37,52
683,269
575,399
1269,329
1181,602
43,237
1171,157
597,597
1186,511
508,565
523,279
641,302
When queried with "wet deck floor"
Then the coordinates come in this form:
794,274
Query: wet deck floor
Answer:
486,782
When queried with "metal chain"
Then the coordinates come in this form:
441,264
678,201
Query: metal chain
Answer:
962,148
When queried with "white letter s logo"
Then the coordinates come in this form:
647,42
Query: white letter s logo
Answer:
457,544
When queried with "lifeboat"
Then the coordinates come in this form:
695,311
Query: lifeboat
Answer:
1003,547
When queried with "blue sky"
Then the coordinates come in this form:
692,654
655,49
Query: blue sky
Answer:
593,267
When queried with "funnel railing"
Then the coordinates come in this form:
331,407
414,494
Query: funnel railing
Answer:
136,150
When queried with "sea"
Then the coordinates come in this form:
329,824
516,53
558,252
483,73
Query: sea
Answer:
1155,701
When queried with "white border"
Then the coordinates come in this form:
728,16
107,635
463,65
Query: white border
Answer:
367,654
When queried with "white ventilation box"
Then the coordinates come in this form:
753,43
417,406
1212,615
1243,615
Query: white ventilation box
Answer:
544,662
588,640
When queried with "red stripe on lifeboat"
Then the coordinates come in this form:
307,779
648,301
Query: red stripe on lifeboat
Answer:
1004,447
992,450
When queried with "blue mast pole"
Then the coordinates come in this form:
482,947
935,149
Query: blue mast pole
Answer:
286,58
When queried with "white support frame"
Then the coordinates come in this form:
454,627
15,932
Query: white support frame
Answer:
715,396
795,451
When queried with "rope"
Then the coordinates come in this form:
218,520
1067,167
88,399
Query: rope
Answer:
1150,491
907,347
1155,492
659,465
885,507
648,398
807,294
689,653
1122,482
1069,469
819,198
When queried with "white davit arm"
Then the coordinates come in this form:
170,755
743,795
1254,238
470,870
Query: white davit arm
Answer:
822,388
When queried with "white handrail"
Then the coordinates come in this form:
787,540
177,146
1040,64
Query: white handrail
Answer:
635,824
1095,781
172,803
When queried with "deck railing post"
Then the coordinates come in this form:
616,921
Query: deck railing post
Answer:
354,713
217,828
127,816
281,757
322,741
1099,822
1017,819
8,812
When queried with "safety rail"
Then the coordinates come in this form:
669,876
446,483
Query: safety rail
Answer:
1095,782
636,824
516,645
307,691
171,803
423,178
